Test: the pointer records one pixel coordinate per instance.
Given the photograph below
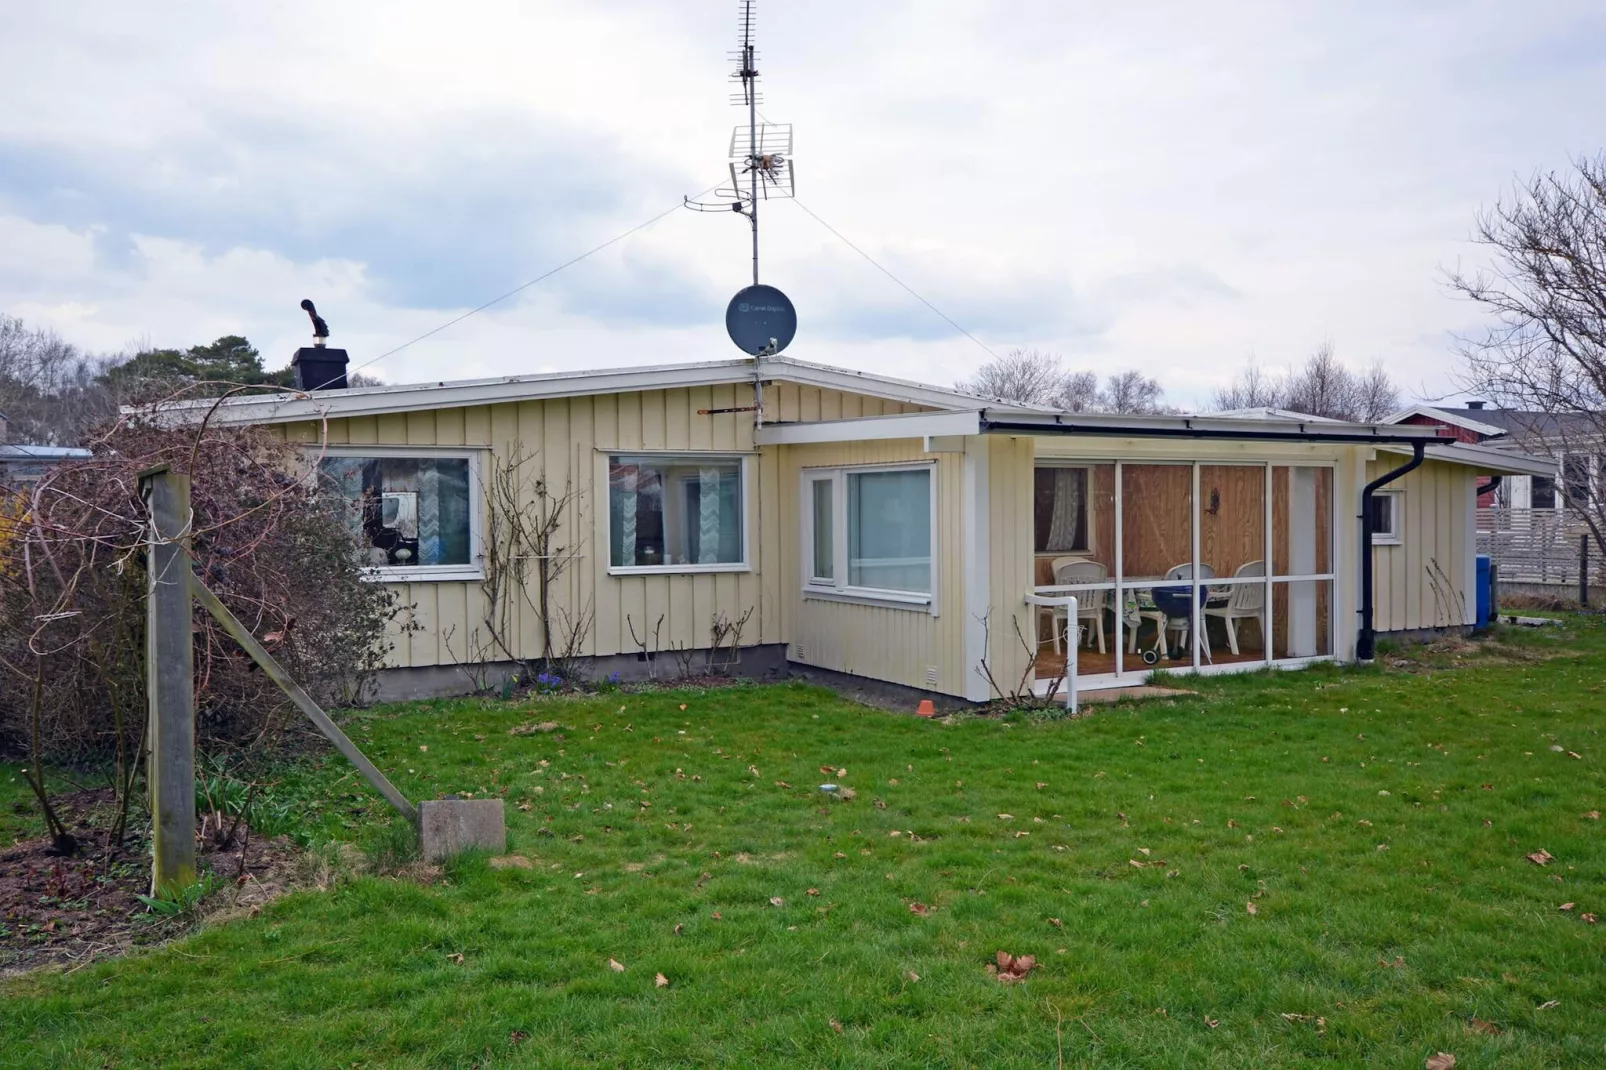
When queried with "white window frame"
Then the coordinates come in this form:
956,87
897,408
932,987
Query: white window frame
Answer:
1395,536
1092,506
838,589
671,457
475,569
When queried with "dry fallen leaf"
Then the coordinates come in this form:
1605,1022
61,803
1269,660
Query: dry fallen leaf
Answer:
1006,817
1014,967
1549,1004
912,975
814,891
777,901
679,929
919,909
1541,857
1212,1022
682,705
660,981
1567,906
1488,1029
616,966
1593,815
1589,918
717,916
457,958
1440,1061
1057,923
836,1025
1252,908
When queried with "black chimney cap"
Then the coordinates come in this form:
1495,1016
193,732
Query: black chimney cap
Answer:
320,368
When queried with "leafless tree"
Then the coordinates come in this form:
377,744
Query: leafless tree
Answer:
49,388
1546,291
1322,386
1079,392
1032,376
1038,377
1254,388
1131,392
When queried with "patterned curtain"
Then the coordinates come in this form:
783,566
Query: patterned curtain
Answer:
1070,499
430,543
624,488
708,516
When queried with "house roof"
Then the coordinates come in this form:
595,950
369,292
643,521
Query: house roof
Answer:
1266,412
1020,420
1486,459
298,405
1512,424
19,451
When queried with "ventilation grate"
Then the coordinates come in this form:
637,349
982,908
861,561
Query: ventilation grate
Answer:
931,676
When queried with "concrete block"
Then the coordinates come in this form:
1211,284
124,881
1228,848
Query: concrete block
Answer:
450,826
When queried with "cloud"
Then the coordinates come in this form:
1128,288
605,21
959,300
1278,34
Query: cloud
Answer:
1163,186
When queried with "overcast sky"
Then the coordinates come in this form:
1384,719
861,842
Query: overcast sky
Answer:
1175,187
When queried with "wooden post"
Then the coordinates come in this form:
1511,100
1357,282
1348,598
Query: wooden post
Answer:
170,681
1583,570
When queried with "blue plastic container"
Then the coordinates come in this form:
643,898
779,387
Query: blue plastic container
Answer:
1485,594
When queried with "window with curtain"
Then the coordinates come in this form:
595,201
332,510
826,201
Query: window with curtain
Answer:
675,512
1060,510
405,512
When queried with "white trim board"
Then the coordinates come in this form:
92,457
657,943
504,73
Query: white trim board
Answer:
295,406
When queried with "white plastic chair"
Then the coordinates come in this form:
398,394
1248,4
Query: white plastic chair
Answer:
1090,605
1247,601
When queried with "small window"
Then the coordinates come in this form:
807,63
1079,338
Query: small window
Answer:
1542,493
824,529
412,516
1386,518
679,514
1575,478
1061,510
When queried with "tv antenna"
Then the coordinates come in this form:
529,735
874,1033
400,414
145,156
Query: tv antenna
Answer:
760,319
760,156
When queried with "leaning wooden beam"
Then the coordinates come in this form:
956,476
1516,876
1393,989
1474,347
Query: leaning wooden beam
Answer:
278,675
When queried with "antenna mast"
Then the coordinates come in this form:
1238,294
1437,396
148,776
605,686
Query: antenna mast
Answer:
760,319
760,151
748,73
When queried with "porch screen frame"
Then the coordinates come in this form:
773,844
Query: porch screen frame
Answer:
1269,579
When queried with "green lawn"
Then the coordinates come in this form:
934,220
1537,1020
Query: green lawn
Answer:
1377,819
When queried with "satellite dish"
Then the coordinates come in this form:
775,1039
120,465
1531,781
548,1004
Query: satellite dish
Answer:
761,320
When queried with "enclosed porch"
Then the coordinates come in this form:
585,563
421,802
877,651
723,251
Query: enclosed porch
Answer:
1180,565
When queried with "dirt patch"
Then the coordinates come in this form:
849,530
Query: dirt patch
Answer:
73,909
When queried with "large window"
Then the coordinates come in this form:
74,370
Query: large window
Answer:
1061,510
676,514
412,515
870,533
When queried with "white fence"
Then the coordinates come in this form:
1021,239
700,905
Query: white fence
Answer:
1537,546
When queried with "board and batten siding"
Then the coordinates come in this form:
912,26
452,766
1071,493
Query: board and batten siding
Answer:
909,645
571,439
1429,579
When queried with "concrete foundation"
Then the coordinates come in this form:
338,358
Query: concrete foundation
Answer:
877,693
447,827
766,662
